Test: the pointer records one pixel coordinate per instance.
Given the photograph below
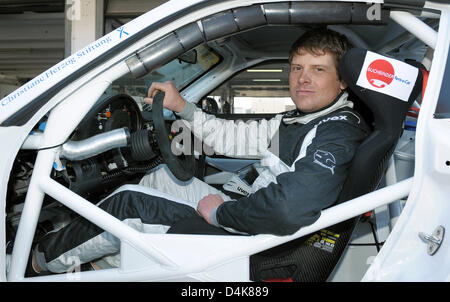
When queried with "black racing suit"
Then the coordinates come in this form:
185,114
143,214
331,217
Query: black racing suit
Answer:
313,183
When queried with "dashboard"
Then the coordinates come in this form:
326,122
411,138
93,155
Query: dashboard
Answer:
95,177
102,173
110,113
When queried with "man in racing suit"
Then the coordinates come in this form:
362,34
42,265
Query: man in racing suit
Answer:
305,155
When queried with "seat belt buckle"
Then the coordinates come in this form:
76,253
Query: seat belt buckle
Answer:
237,185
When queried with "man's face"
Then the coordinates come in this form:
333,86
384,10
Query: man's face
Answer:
313,81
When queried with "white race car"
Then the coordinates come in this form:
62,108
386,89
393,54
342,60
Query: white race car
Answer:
65,138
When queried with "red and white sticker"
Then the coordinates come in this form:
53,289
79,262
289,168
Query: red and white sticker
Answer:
388,76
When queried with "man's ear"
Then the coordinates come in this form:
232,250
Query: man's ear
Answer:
342,85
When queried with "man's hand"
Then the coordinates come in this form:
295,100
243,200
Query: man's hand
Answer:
207,204
172,99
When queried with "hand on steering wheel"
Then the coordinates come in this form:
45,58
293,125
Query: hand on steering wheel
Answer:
172,100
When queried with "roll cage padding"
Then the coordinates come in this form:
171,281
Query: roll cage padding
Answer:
241,19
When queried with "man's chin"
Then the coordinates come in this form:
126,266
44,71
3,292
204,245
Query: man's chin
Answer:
303,105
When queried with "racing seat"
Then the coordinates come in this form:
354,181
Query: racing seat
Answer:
305,259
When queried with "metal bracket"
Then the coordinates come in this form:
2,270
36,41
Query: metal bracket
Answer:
434,241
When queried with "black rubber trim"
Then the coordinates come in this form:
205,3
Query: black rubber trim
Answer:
443,105
414,4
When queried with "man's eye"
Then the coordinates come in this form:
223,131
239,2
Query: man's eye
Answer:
296,68
319,69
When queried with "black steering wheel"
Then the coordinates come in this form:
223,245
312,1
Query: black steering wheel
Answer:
183,166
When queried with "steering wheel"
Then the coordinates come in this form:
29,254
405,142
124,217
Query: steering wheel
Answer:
182,166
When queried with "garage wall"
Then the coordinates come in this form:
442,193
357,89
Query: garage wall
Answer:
35,35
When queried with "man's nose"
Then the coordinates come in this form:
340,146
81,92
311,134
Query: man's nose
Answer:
304,77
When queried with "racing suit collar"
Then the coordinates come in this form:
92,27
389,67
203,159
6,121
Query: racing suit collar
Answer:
297,116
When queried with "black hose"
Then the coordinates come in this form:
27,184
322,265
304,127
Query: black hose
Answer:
132,170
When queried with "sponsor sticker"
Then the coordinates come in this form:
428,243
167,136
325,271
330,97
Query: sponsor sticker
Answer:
27,92
324,240
387,76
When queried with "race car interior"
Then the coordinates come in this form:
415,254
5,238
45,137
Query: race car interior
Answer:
122,138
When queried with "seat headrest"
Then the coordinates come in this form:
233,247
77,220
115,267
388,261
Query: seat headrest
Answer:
388,87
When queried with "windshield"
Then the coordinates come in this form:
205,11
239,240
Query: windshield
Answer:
179,71
260,89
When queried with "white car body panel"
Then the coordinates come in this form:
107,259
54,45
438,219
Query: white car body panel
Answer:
404,256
